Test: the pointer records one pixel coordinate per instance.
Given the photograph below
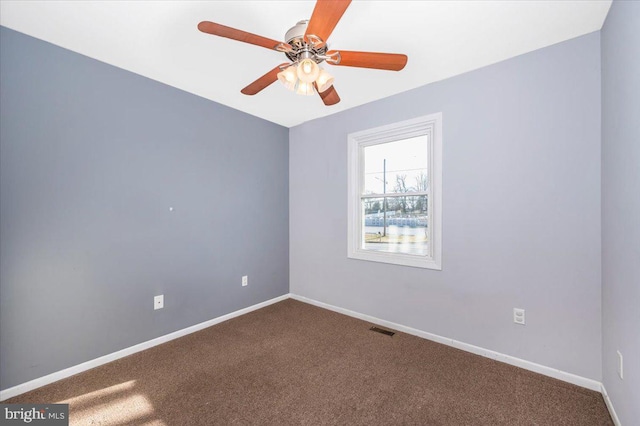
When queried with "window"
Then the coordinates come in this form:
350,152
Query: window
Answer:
395,193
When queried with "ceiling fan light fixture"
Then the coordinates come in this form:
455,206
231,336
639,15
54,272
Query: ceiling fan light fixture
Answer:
324,80
303,88
288,77
308,70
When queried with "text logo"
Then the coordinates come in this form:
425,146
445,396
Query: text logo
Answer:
36,414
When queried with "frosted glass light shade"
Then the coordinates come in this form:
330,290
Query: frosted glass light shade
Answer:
288,77
324,81
304,88
308,70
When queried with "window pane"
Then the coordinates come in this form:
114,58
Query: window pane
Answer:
402,164
402,229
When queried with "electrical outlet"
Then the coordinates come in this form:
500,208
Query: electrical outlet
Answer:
518,316
245,280
620,365
158,302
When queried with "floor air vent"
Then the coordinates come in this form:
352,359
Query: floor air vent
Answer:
381,331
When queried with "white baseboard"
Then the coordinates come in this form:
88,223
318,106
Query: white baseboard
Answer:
53,377
527,365
607,401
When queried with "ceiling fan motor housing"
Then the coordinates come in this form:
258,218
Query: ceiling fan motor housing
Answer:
301,49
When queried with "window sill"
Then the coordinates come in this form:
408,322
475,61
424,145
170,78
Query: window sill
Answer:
396,259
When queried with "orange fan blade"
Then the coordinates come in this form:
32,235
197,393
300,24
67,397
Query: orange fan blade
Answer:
329,96
263,81
380,61
234,34
325,17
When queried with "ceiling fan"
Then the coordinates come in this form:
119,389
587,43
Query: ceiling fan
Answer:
306,46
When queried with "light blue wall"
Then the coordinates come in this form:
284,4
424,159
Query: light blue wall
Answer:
521,208
92,157
621,207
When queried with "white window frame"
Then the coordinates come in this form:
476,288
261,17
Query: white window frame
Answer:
430,125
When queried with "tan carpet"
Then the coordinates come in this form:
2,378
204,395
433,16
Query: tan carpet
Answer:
293,363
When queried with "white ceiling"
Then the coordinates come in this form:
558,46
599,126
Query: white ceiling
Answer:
159,40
